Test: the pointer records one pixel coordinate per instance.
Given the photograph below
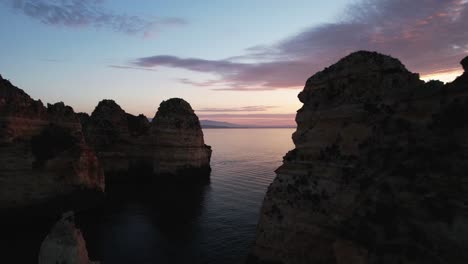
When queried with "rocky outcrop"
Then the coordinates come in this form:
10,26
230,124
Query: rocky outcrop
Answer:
179,144
131,147
43,154
122,141
64,244
20,116
378,173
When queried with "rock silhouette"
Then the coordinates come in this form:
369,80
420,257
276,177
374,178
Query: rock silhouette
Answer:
50,152
378,173
43,153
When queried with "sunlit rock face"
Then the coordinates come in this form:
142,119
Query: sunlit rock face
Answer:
178,137
130,146
64,244
43,154
378,173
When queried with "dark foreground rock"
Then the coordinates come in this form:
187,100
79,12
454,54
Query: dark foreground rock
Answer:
43,154
379,172
64,244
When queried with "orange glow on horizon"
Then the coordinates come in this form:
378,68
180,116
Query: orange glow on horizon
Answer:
445,76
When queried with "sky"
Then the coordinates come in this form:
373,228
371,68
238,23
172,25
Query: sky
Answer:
240,61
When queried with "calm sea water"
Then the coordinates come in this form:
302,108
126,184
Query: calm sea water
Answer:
212,222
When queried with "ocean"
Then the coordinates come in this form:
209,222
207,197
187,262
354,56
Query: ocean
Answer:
212,221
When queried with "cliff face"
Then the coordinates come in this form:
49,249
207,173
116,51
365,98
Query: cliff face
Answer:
379,171
43,154
130,146
20,116
179,143
121,140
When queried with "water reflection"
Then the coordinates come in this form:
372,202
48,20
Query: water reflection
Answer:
207,222
139,224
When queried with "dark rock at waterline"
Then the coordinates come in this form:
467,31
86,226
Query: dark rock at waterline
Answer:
378,173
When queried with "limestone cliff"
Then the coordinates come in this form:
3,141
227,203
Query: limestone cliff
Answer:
378,173
179,143
43,154
130,146
122,141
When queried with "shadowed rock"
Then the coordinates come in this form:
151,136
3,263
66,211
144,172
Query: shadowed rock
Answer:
20,116
121,141
43,154
84,119
133,149
138,125
64,244
378,173
464,63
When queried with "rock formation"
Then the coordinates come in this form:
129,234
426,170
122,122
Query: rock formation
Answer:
130,146
121,140
43,153
64,244
179,144
378,173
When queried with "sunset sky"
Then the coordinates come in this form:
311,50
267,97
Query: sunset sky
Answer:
240,61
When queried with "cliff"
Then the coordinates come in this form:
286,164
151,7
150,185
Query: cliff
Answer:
122,141
179,145
378,173
130,147
43,154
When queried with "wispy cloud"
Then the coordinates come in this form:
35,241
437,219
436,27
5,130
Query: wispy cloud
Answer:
253,108
428,35
89,13
129,68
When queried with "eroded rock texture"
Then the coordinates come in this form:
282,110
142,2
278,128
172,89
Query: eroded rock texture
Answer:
131,147
122,141
179,144
64,244
379,173
43,154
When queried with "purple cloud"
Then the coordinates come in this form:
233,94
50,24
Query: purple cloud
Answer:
428,35
81,13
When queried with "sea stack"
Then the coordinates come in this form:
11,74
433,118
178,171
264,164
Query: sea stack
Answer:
43,154
179,145
130,147
378,173
64,244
